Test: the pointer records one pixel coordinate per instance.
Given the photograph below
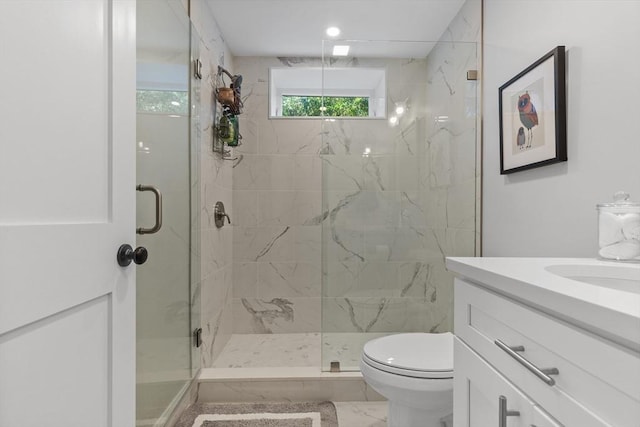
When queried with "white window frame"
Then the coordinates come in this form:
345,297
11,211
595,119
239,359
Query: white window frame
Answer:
310,81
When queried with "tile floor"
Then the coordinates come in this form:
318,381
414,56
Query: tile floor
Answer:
361,414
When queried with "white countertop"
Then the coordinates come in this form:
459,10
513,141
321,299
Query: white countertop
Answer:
614,314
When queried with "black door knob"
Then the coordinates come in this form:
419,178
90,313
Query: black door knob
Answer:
126,254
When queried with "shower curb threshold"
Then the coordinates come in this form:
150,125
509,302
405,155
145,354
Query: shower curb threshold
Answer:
270,374
296,384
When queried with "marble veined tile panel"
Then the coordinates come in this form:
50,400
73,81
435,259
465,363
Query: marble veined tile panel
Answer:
249,131
276,208
426,208
288,280
341,278
379,172
307,173
342,172
405,243
408,169
288,208
374,314
245,279
276,315
264,172
245,208
307,247
263,244
358,137
343,243
289,136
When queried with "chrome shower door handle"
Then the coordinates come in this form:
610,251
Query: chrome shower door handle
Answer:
158,224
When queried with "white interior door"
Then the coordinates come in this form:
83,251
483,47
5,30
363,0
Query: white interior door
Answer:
67,202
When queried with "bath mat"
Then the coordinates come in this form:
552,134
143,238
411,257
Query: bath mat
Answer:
289,414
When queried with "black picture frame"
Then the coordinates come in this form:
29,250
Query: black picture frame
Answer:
533,115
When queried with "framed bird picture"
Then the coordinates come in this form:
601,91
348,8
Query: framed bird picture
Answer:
533,115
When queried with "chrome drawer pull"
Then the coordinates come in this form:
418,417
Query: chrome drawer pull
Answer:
543,374
503,412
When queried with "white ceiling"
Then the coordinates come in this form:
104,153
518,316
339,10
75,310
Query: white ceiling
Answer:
297,27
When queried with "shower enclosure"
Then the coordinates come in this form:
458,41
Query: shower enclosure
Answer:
165,364
341,224
399,193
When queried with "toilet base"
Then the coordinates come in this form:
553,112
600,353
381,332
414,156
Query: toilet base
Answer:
407,416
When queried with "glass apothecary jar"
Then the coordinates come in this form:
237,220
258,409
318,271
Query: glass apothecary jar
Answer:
619,229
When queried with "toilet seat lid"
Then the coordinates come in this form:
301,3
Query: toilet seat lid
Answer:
414,354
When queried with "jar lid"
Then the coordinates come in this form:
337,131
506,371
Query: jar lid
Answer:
620,200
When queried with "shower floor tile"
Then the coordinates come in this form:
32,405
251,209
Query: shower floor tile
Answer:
270,350
294,350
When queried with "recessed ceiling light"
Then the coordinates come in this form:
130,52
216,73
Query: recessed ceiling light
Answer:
340,50
333,31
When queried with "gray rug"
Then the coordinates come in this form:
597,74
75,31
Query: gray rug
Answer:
290,414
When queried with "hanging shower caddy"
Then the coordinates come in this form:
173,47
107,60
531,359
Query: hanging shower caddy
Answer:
226,124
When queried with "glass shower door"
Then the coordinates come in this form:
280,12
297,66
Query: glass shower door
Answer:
399,192
164,365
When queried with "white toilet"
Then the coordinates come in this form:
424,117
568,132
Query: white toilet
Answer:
414,372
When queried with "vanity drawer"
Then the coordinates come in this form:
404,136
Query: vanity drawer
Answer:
478,389
593,373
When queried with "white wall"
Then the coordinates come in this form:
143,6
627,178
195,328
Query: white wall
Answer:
550,211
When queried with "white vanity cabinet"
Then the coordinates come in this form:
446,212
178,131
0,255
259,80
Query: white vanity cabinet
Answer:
517,365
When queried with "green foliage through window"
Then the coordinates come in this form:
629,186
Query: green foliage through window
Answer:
162,101
335,106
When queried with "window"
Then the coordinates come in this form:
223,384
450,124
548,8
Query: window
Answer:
334,106
162,101
162,88
332,92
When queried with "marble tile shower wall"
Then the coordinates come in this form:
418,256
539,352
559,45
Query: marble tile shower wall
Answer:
277,202
212,295
396,202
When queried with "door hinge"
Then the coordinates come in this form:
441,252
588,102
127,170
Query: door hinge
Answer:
197,337
197,68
